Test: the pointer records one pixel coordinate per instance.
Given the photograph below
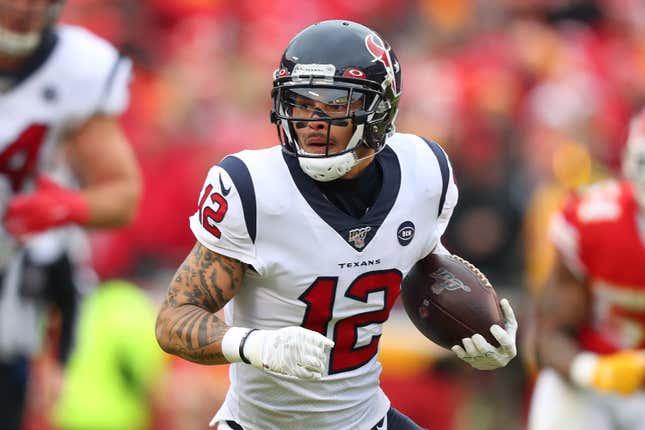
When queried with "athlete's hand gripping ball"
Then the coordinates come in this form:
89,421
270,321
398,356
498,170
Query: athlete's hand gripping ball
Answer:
480,354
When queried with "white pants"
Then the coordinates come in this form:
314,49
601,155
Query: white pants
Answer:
557,405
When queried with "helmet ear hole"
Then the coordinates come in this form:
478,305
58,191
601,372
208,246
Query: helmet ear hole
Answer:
360,117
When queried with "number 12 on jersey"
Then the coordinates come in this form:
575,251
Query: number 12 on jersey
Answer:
320,298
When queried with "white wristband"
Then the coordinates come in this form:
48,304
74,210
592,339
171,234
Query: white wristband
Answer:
582,369
231,343
254,347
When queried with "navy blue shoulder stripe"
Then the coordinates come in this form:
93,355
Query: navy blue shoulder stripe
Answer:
445,170
241,177
109,82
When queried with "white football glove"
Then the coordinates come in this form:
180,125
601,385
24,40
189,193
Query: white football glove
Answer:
293,351
482,355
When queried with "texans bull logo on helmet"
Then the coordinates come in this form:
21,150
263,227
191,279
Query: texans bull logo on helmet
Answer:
354,63
381,53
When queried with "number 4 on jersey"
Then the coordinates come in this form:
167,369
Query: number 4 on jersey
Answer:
18,160
320,298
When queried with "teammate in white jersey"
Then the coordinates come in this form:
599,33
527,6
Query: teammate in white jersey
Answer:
61,89
305,244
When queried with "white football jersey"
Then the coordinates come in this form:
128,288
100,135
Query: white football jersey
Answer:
71,77
312,265
76,77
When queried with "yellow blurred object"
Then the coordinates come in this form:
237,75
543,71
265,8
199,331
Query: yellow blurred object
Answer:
538,47
449,16
572,164
404,350
115,365
622,372
539,251
498,91
572,168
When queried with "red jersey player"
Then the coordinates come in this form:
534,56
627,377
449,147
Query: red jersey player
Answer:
591,316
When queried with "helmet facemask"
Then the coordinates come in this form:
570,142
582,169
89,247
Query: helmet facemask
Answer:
337,102
22,26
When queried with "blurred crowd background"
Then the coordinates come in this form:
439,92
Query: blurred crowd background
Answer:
530,98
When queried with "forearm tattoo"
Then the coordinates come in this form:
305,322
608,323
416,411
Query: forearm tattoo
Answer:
187,325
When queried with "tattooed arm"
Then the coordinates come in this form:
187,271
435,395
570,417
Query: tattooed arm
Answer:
186,324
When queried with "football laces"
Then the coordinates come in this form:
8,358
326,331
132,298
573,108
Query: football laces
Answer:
474,270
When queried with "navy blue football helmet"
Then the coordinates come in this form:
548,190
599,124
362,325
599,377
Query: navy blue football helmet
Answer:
355,73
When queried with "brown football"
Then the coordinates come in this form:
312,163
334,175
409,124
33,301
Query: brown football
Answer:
448,299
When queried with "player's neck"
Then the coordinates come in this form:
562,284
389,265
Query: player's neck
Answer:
366,156
358,168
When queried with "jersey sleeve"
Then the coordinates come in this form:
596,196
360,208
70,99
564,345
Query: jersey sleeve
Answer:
225,218
564,233
447,203
116,94
452,197
97,75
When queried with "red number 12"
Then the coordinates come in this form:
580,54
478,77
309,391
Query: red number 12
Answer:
320,297
208,214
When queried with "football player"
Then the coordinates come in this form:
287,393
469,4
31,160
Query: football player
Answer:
305,244
591,316
61,89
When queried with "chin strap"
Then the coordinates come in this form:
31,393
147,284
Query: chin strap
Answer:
17,44
325,169
328,168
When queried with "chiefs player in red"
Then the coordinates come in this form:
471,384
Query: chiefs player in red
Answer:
591,316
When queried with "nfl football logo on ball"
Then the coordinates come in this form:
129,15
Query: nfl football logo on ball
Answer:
446,281
447,299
